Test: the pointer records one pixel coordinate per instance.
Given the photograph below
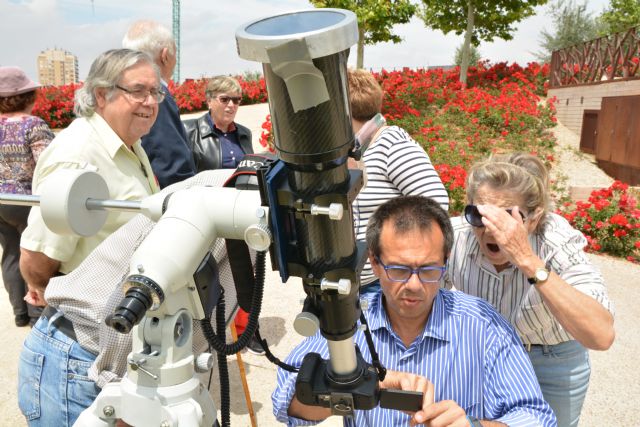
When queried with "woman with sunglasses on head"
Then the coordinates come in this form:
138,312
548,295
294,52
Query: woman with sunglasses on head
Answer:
530,265
216,140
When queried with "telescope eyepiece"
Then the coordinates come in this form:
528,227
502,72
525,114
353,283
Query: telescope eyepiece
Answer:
131,309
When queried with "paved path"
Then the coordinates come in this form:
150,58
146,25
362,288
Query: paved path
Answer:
613,397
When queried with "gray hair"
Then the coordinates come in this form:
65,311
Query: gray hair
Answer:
149,37
106,72
408,214
222,84
519,173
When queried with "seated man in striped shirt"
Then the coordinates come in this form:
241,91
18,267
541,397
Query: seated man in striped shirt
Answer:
456,349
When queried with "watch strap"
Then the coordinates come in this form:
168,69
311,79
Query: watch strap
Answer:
473,421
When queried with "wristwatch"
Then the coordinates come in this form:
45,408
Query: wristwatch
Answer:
540,276
473,421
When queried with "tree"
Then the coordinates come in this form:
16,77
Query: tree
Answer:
572,24
620,16
474,55
376,19
479,20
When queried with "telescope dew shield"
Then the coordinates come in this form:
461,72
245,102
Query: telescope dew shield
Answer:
304,57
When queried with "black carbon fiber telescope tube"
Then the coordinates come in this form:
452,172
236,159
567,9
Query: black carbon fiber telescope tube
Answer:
314,143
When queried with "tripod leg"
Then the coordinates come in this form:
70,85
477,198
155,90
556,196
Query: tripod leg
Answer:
243,378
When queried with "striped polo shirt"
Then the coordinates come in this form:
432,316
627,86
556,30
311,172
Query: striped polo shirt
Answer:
467,350
558,245
396,165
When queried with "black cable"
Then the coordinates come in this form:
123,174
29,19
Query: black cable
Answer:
219,344
273,359
375,360
225,406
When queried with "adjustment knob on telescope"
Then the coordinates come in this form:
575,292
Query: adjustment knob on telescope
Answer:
203,363
258,237
343,286
333,211
306,324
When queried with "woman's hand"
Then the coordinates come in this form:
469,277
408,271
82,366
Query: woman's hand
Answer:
510,233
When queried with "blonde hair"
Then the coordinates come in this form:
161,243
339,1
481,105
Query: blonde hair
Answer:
519,173
365,95
222,84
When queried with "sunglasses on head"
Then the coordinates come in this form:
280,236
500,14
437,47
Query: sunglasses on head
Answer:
225,99
473,216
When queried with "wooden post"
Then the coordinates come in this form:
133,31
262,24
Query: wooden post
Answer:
243,378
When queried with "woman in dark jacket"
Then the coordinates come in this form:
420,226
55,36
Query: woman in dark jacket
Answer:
218,142
215,139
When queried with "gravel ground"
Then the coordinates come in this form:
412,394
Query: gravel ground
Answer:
575,168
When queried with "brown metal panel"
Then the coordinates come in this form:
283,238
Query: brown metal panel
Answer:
628,174
606,128
618,138
589,131
633,142
622,130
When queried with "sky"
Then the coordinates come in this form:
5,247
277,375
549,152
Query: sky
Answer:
86,28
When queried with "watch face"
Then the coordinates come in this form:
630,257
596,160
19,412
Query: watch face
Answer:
541,275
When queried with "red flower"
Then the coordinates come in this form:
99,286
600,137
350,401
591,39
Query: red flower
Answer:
618,219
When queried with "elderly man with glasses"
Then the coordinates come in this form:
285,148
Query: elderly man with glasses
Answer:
117,104
455,349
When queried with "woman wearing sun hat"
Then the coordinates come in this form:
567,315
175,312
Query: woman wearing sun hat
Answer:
529,263
22,139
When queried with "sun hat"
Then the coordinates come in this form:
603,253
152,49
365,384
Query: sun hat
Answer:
13,81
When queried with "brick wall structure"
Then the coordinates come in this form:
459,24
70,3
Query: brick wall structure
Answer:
573,100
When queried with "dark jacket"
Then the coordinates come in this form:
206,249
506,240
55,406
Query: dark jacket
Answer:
167,147
205,144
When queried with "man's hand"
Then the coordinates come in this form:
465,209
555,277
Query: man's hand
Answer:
37,269
445,413
35,297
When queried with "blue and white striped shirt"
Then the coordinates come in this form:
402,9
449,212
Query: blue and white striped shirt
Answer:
467,350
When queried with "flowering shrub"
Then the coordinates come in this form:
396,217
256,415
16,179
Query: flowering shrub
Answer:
54,104
189,96
610,221
266,137
500,110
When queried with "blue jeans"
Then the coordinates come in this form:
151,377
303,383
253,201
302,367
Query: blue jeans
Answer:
53,386
563,372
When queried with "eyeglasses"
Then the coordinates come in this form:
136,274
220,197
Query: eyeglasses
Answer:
141,95
402,273
225,99
473,216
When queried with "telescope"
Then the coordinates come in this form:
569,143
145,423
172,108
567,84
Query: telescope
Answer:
301,215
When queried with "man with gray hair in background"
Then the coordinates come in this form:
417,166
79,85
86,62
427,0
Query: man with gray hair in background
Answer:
166,143
117,104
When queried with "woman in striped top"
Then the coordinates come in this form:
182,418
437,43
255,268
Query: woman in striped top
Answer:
530,265
395,164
